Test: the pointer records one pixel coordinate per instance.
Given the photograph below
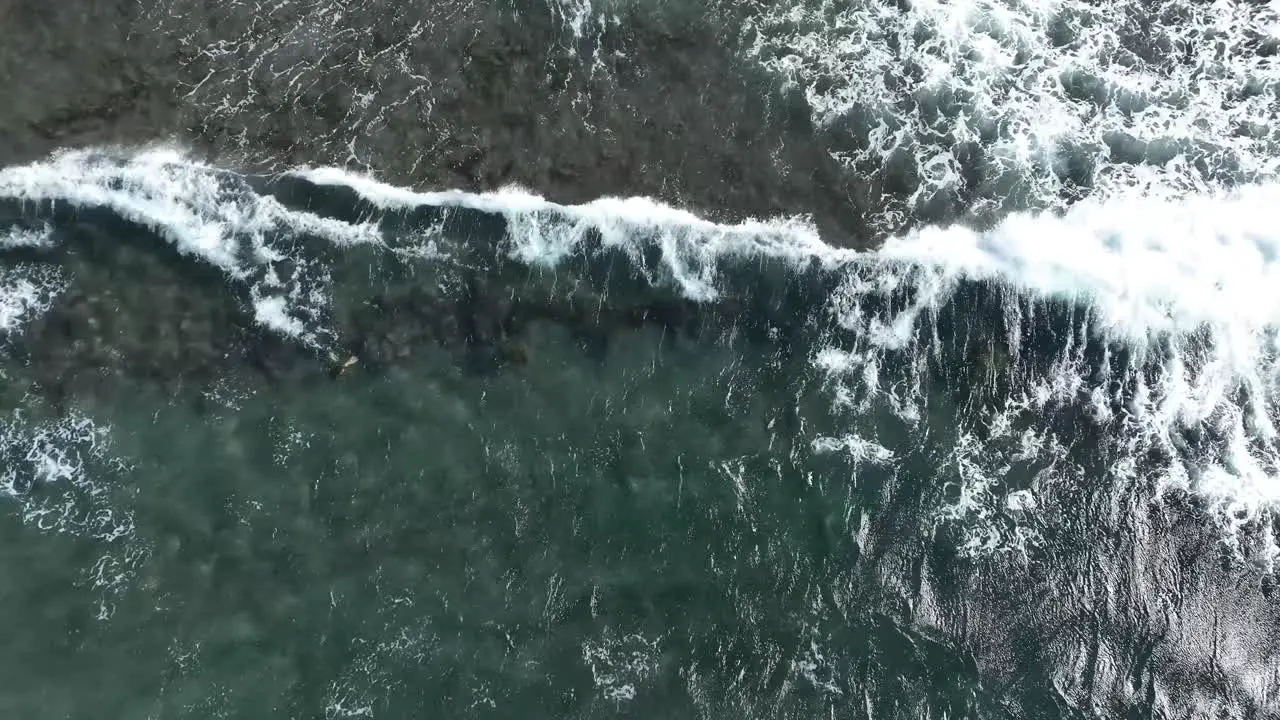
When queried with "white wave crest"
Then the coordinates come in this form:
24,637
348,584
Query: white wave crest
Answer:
203,212
26,291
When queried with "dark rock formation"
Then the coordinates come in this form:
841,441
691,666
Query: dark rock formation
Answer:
429,94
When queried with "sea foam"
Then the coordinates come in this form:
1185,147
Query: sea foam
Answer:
1024,104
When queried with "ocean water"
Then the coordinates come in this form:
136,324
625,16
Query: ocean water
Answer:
584,359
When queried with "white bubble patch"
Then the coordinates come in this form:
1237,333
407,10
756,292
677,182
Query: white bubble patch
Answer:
57,475
1029,103
1190,289
621,664
544,232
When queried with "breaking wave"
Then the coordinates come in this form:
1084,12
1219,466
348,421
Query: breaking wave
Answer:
1153,317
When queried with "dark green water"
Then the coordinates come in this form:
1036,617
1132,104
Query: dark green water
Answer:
566,520
313,447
